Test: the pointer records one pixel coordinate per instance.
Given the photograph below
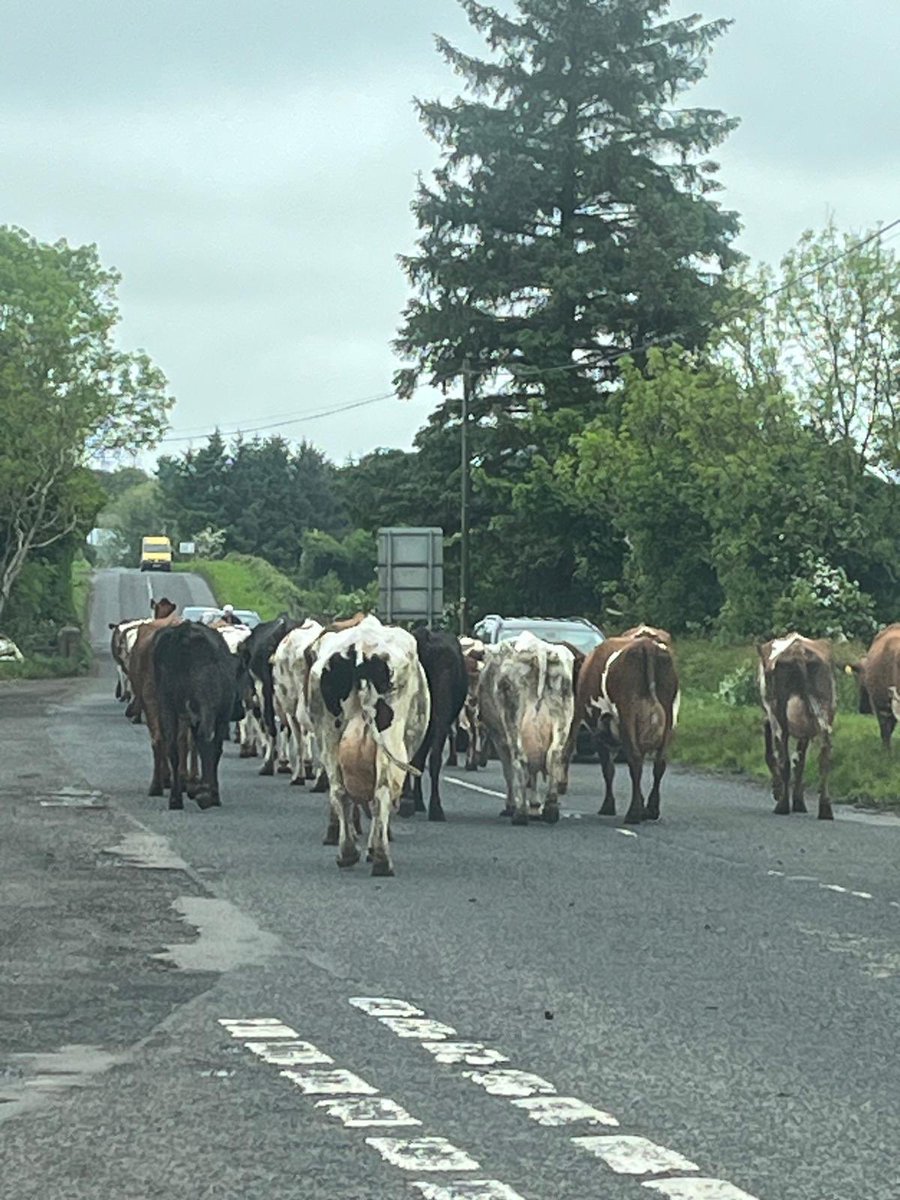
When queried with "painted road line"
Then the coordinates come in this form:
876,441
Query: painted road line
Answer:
330,1083
628,1155
423,1154
465,1189
289,1054
367,1111
510,1082
382,1006
563,1110
697,1189
626,832
474,787
472,1054
422,1028
262,1028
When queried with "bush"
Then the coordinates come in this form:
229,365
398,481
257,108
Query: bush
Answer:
823,602
740,689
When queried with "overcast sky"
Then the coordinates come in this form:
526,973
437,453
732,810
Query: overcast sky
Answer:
249,168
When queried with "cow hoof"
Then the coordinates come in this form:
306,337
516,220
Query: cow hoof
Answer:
651,814
246,753
348,860
436,814
267,769
506,812
563,788
470,766
633,818
407,807
205,800
298,782
607,809
331,838
782,808
519,818
550,815
382,867
321,784
825,814
176,804
155,790
283,769
800,806
192,792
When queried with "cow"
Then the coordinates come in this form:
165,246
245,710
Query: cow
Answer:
290,676
256,685
122,640
144,698
526,703
467,722
628,694
370,706
234,634
878,676
445,669
797,689
196,693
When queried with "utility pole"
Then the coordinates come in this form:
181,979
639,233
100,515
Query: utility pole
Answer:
464,501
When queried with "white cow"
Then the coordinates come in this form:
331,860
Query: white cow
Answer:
124,635
290,676
369,705
526,702
245,732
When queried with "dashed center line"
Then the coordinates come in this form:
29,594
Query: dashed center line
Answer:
827,887
466,1189
626,1154
423,1154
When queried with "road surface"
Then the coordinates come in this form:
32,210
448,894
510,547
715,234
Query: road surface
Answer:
568,1012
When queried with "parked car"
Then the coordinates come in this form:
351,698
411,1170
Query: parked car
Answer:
577,631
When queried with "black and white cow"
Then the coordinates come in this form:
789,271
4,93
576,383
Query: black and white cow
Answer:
369,706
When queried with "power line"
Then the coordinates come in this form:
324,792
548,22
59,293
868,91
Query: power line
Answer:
296,420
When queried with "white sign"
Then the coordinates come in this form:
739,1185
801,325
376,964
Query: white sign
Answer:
186,547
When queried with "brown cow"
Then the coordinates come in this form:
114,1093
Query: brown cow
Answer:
628,694
143,687
878,676
796,686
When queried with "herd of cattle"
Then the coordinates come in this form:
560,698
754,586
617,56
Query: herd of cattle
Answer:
359,707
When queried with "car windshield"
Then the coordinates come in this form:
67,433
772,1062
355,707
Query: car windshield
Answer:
582,637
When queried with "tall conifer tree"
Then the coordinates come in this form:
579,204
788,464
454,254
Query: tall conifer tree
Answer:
573,216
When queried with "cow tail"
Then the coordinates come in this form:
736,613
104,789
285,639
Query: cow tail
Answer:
650,669
542,677
368,710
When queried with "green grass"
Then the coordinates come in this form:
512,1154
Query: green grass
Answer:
717,736
40,666
248,582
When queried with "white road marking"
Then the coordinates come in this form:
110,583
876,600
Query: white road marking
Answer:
465,1189
381,1006
418,1027
827,887
697,1189
367,1111
289,1054
330,1083
262,1028
423,1154
863,895
834,887
474,787
780,874
626,832
510,1082
563,1110
634,1155
473,1054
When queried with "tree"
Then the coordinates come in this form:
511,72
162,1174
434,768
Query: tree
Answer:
66,393
573,212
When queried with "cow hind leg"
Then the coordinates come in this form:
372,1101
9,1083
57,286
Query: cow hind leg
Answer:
797,802
886,724
608,767
435,808
778,759
651,812
343,808
379,840
825,812
635,813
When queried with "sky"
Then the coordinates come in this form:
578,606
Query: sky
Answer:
249,170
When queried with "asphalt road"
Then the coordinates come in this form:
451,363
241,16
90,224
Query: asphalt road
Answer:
724,985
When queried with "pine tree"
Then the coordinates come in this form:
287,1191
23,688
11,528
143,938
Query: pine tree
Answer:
574,213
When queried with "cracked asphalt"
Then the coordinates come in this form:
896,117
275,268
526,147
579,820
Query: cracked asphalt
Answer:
725,983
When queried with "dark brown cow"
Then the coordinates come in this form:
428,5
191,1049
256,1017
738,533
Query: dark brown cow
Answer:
878,676
628,694
796,686
144,701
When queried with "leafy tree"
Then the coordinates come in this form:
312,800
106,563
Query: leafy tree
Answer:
134,515
66,392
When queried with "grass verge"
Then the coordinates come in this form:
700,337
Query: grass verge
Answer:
247,582
54,666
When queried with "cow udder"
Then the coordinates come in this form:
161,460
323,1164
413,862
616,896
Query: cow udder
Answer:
356,758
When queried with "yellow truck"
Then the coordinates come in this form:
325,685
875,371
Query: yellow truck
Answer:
156,554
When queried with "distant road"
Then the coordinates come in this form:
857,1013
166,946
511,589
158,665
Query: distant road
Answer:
121,594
